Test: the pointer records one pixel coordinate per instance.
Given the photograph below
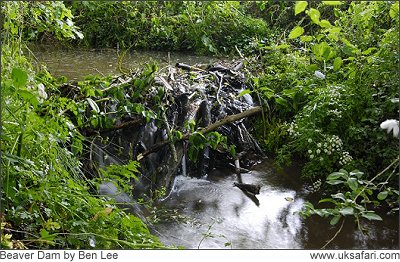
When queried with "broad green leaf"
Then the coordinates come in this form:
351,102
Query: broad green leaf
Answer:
369,51
356,173
382,195
284,46
332,2
314,15
300,7
93,105
244,92
281,101
28,97
312,68
337,63
346,211
335,175
371,216
296,32
306,38
352,182
19,77
325,23
335,220
394,10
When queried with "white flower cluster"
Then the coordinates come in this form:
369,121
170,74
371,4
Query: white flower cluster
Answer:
42,92
332,144
315,186
293,129
345,158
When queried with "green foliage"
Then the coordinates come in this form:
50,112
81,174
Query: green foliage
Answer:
34,20
333,84
198,142
208,27
122,175
355,198
46,199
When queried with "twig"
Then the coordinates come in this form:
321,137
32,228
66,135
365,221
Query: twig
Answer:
336,234
375,177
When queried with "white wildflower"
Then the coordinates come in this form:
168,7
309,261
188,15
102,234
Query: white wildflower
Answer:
309,151
319,74
319,145
318,151
41,91
390,125
309,140
311,156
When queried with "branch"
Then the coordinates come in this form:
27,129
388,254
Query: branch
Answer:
209,128
336,234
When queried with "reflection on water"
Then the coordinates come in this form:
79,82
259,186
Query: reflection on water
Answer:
225,215
77,63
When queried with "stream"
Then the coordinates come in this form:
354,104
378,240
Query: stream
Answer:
230,217
214,214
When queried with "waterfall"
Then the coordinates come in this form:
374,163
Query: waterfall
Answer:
184,165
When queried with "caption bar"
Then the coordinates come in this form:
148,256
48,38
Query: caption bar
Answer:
64,255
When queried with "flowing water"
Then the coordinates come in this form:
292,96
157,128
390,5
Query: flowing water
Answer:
215,213
222,216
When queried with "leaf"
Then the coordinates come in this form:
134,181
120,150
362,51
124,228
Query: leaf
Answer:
306,38
339,196
314,15
281,101
46,236
19,77
394,10
335,175
296,32
337,63
244,92
334,182
369,51
329,200
347,211
335,220
289,199
356,173
28,97
332,2
352,182
382,195
325,24
371,216
93,105
312,68
300,7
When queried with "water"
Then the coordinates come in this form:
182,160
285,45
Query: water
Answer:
75,64
222,216
218,214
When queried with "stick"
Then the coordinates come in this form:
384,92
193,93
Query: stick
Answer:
212,127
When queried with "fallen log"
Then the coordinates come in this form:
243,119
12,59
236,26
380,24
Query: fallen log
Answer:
209,128
249,188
